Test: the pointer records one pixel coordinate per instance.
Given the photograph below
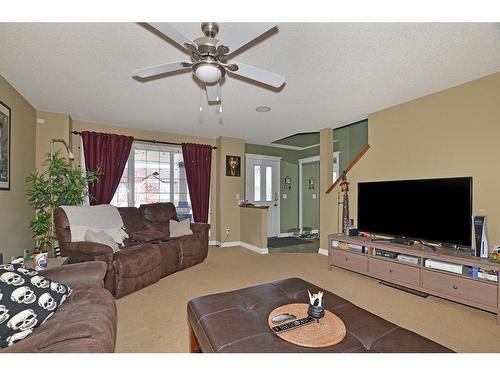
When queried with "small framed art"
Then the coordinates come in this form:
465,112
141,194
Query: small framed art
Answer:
5,124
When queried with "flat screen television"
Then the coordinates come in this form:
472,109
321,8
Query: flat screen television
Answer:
435,210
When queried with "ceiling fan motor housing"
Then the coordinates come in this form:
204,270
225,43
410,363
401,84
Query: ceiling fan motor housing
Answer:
210,29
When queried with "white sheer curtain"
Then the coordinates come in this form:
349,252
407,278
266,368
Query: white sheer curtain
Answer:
86,201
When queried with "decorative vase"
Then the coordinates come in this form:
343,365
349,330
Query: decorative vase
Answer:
316,312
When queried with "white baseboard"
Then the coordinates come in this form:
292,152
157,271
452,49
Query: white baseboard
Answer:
323,252
231,244
254,248
242,244
289,234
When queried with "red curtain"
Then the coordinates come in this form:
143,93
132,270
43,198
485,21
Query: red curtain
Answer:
108,153
198,164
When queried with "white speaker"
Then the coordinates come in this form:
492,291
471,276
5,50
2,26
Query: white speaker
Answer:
480,238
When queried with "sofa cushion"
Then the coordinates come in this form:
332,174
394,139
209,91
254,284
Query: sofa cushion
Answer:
148,235
132,219
85,323
102,238
27,300
181,228
156,216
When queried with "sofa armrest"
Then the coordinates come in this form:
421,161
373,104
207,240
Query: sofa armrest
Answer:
88,248
201,228
78,275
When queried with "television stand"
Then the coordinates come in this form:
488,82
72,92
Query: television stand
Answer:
360,256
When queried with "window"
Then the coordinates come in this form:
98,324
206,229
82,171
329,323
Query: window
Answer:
256,176
269,184
154,174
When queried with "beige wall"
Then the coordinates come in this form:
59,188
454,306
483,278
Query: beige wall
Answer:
158,136
254,226
228,187
15,211
52,126
451,133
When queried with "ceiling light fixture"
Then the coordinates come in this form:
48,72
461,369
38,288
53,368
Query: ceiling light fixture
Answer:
208,72
263,108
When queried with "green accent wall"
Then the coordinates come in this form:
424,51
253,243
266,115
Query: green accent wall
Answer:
350,140
310,196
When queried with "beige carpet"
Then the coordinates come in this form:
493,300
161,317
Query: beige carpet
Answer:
154,319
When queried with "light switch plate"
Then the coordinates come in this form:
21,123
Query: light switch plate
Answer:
237,196
314,196
285,196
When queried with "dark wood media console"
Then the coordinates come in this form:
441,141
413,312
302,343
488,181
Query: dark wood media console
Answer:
462,288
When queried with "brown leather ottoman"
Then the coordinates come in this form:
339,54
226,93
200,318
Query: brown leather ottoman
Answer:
236,322
136,267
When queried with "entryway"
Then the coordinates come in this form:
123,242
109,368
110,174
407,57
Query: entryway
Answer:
263,188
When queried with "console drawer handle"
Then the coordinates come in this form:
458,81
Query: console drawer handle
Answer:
347,259
390,270
455,287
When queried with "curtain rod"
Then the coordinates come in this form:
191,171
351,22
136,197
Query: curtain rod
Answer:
150,141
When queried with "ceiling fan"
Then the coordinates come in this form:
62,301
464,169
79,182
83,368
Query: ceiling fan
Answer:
209,57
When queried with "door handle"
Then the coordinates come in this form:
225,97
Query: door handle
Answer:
275,205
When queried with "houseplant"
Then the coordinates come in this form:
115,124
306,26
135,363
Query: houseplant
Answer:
59,184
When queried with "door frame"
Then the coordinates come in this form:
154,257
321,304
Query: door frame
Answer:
258,157
303,161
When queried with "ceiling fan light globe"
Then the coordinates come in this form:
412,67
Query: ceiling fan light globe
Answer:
208,73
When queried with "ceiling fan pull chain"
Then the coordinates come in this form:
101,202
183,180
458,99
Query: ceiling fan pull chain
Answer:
219,96
201,103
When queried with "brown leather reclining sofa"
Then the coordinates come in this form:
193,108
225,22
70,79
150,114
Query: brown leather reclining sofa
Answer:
147,255
85,322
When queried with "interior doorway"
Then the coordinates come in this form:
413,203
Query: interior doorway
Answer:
263,188
309,196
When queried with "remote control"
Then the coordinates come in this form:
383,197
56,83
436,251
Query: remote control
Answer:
295,324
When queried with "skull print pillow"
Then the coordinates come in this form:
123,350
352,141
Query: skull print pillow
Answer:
27,300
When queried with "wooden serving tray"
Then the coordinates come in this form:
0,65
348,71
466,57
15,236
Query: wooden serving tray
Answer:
330,329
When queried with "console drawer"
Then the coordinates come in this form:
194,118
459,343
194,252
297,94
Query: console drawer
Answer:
469,290
392,271
350,261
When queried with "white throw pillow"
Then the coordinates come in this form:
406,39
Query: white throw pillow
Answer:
102,238
78,233
180,228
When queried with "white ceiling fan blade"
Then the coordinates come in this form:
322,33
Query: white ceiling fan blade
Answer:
161,69
175,35
244,35
213,92
259,75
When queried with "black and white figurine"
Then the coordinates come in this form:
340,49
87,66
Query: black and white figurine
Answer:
315,309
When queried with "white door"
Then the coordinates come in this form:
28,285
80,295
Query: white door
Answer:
262,187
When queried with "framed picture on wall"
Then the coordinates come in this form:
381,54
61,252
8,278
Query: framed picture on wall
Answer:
233,166
4,146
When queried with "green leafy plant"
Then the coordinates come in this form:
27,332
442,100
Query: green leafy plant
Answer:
59,184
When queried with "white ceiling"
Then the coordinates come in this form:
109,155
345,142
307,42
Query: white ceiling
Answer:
337,73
